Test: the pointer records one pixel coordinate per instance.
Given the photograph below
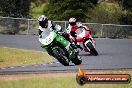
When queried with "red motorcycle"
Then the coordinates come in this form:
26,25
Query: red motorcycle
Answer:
83,37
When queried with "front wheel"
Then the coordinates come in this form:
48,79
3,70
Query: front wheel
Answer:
60,57
92,49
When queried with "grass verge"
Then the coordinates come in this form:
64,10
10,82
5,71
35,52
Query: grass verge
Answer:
56,80
12,57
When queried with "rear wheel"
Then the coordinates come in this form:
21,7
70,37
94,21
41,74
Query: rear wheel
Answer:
92,49
61,57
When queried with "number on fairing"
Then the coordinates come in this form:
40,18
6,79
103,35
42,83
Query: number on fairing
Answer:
47,40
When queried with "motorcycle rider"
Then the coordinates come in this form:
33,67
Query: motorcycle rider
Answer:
44,24
73,26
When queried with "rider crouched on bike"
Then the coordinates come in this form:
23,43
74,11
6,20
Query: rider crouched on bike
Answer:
73,26
44,24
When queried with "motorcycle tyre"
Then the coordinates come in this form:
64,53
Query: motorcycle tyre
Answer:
60,57
92,49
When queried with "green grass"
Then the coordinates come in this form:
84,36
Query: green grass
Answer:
65,80
12,57
36,11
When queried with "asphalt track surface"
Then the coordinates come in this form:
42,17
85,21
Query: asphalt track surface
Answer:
113,54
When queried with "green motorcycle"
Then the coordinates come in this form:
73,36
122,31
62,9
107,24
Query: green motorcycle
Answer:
58,47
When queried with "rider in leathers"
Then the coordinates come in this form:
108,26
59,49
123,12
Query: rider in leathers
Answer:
44,23
73,26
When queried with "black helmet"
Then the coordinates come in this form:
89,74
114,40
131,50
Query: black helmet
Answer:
43,21
72,21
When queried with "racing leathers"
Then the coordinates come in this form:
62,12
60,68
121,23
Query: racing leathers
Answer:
71,30
57,28
51,25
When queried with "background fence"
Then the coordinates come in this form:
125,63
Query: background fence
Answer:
29,27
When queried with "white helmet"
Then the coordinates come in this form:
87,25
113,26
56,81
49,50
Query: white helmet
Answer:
43,20
72,21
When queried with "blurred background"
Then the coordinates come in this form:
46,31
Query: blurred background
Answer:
106,18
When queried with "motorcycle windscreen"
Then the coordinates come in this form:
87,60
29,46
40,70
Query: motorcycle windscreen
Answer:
45,33
79,31
47,37
80,34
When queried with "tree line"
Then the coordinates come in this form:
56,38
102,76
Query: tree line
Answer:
83,10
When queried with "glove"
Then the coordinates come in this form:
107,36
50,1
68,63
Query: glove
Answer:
73,34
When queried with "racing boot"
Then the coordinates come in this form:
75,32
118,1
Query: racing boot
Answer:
74,48
78,46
